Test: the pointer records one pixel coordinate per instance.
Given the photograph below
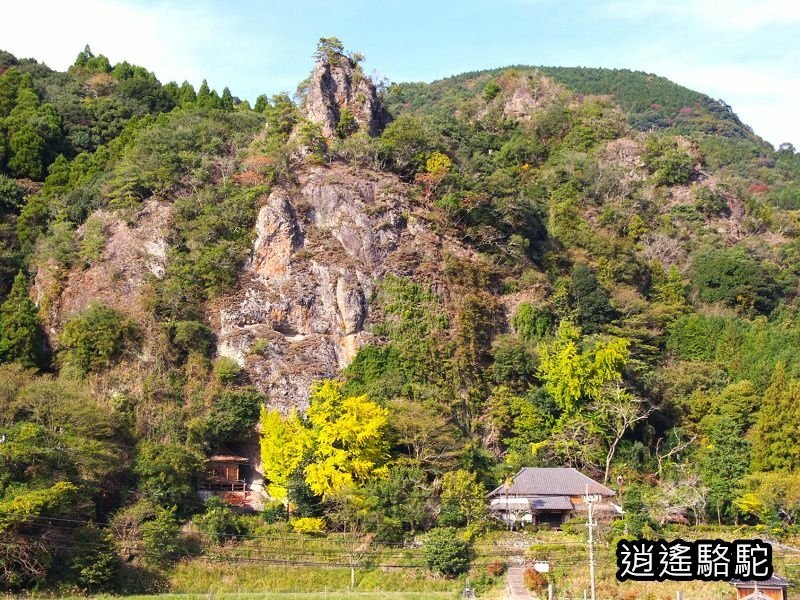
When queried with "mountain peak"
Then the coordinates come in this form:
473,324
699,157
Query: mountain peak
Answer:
341,98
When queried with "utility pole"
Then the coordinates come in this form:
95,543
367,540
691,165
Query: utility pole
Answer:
590,500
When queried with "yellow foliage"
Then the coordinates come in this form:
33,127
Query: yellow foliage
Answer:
348,436
438,164
284,443
573,375
308,525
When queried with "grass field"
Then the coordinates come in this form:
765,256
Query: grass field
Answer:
293,595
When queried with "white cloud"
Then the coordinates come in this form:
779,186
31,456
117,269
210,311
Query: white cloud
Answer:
743,15
164,37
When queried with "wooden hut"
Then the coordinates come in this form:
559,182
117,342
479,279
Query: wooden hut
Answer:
774,588
225,471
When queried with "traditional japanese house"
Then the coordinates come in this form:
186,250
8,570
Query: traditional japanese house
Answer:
548,496
774,588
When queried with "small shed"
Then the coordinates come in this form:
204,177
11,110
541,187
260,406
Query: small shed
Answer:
225,471
774,588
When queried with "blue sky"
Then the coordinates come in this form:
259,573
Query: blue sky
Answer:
742,51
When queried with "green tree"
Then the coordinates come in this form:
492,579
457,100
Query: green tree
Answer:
725,461
572,374
232,416
406,143
398,503
329,49
20,329
94,563
161,537
734,277
463,500
9,88
588,299
776,435
347,124
166,473
10,195
226,101
94,338
262,102
531,323
445,552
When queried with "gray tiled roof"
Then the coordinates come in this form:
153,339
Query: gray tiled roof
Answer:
537,481
551,503
772,582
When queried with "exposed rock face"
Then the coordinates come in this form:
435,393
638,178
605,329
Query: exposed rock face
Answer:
131,252
340,84
302,307
527,95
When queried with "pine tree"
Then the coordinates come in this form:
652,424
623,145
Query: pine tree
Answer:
187,95
261,103
203,98
20,338
227,99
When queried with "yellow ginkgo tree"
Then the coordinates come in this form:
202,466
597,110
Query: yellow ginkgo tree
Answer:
284,443
574,374
341,440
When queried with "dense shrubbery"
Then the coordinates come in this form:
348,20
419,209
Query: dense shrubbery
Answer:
94,338
445,552
734,277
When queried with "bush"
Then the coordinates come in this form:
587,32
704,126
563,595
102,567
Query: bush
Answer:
192,336
534,580
95,562
575,526
94,338
308,525
232,416
260,347
94,240
227,370
219,522
160,537
10,195
445,552
496,568
274,512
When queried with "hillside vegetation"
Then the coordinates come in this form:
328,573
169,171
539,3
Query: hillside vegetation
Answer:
617,292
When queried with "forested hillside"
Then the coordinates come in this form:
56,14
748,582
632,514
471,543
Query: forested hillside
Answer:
388,311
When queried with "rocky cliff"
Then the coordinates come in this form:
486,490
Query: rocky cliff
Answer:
302,308
338,84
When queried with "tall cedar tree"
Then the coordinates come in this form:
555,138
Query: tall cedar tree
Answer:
776,436
20,333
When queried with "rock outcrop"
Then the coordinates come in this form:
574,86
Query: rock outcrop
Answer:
133,250
338,83
302,308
